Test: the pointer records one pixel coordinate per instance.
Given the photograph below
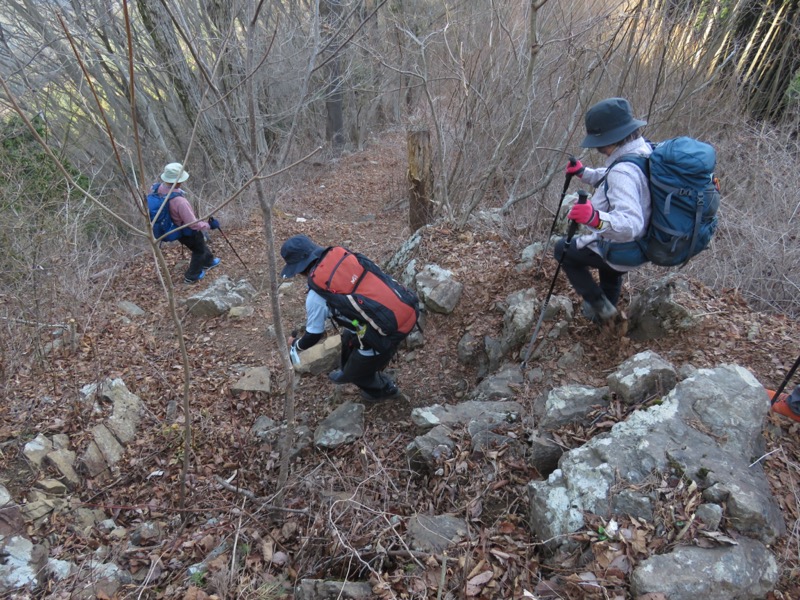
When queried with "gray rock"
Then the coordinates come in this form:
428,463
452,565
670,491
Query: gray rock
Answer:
241,312
708,428
643,376
319,589
426,451
147,534
37,449
220,297
452,415
405,254
437,289
469,349
130,309
710,515
501,386
519,318
746,571
64,461
22,564
92,462
343,426
58,570
321,357
435,534
39,507
571,359
82,520
256,379
568,404
51,487
108,445
126,411
263,428
544,452
657,312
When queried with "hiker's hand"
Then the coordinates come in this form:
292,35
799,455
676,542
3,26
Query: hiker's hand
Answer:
585,214
574,167
213,223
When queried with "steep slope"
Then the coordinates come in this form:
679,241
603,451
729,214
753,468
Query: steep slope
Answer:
343,500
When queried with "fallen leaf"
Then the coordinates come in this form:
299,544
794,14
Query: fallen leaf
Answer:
475,585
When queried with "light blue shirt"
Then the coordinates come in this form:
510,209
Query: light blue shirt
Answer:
317,312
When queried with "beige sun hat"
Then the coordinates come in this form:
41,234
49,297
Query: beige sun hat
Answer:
174,173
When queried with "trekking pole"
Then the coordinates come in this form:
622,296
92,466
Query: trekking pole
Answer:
573,227
225,237
785,382
567,178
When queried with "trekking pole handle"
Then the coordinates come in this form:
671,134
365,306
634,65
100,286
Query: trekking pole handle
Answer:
583,198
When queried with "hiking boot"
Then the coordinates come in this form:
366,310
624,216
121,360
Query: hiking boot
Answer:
213,264
603,310
389,392
588,312
196,279
336,376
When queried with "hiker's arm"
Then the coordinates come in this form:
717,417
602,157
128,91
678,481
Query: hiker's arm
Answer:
316,314
180,208
622,212
593,176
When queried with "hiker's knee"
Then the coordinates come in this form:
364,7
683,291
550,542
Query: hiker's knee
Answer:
558,250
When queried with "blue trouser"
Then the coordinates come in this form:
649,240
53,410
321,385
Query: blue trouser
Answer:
577,264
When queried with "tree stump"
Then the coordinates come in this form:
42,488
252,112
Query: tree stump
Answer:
420,179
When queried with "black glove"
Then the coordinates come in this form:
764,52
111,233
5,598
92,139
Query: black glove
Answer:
213,223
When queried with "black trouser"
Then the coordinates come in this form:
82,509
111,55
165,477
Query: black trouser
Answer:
364,371
201,256
577,264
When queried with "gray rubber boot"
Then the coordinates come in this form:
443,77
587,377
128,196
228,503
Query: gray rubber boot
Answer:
589,313
604,310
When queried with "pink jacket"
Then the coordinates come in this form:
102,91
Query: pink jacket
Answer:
180,210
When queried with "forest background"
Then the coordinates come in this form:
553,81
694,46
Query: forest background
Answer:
97,95
238,91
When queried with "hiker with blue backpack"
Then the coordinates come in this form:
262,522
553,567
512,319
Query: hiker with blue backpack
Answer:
618,211
652,203
179,212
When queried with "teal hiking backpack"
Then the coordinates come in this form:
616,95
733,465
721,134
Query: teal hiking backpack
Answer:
163,224
684,197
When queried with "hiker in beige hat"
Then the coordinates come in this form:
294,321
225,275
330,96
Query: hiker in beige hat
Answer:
181,212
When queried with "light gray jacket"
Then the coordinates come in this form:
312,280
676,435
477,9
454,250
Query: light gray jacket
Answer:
625,209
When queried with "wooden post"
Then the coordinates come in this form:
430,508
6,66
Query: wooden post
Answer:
420,179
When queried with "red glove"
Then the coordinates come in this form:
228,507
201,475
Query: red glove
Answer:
584,213
576,168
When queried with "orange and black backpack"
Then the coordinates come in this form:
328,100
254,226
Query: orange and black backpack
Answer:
363,298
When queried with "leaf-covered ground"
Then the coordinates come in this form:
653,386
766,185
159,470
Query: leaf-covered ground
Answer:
346,510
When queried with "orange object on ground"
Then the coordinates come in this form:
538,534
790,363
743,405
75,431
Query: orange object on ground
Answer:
781,407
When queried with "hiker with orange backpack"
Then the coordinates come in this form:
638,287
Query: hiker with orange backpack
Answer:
375,312
619,210
181,213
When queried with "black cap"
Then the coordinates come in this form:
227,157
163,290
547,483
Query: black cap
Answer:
299,252
608,122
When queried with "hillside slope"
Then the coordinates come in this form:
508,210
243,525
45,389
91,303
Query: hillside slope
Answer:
356,201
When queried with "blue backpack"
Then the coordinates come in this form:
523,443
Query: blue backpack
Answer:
163,225
684,197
